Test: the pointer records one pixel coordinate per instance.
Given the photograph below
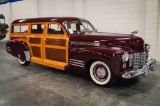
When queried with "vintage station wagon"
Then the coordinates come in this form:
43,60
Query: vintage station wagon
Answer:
73,44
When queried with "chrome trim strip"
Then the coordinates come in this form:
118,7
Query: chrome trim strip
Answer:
76,60
95,43
77,65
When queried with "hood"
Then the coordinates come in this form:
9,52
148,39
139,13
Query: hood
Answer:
110,39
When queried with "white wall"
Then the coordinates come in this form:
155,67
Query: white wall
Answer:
55,8
79,8
151,27
121,16
24,9
5,10
158,45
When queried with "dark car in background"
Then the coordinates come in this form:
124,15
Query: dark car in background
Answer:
3,27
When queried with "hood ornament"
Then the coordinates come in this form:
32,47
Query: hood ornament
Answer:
134,32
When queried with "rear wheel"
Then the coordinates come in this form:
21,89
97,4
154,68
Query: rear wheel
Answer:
101,74
23,62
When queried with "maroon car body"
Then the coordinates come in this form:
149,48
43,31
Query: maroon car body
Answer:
103,55
110,50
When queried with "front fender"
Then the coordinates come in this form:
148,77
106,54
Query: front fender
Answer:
110,55
17,47
96,52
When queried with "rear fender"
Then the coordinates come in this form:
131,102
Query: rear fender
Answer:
19,49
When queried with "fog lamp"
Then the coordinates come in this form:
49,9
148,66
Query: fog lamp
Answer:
148,47
124,66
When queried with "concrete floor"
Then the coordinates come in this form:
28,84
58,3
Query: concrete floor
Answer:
38,85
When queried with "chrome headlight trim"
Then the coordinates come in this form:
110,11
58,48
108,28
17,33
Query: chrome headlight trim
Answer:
125,57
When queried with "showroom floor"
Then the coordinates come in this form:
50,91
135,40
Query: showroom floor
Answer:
38,85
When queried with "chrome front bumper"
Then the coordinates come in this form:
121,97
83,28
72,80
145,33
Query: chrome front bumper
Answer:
150,65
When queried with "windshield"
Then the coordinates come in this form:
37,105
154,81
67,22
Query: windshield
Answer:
76,27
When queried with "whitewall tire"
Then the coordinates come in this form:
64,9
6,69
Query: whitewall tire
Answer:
100,73
23,62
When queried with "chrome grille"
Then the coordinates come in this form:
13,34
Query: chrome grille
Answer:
137,60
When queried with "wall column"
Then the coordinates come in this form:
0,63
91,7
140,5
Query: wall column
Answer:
158,46
151,26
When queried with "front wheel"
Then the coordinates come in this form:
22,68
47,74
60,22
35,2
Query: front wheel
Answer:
101,74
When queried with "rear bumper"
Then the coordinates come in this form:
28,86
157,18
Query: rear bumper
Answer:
150,65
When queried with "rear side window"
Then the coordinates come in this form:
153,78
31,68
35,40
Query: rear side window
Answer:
55,29
37,28
20,29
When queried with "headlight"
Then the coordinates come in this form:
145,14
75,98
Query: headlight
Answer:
125,57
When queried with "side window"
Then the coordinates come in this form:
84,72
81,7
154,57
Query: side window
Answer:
86,26
37,28
55,29
82,27
20,29
71,27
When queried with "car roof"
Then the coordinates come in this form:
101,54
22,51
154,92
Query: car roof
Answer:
48,19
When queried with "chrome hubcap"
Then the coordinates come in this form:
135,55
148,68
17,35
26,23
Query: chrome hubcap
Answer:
100,73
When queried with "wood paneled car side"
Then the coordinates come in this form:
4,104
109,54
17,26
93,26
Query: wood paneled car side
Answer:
73,44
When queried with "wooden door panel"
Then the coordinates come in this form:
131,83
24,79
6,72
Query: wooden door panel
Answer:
36,51
35,40
35,44
55,42
55,46
55,49
56,54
